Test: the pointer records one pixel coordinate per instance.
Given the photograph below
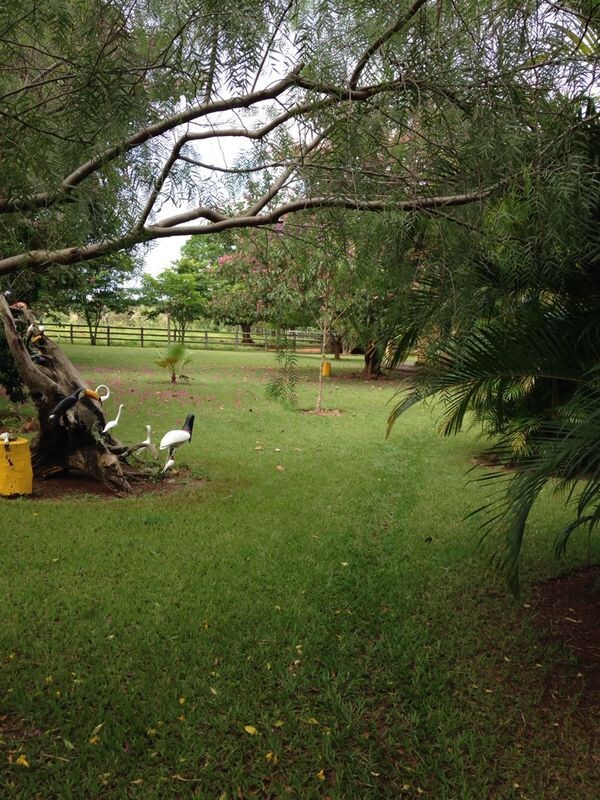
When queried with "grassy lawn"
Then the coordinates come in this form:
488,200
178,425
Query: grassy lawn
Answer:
326,630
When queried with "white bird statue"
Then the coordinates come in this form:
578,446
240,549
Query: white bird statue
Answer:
102,397
147,441
174,439
113,422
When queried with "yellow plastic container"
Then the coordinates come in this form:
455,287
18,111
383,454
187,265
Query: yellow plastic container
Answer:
326,369
16,475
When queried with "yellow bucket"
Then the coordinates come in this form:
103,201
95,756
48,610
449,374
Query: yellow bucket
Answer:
16,475
326,369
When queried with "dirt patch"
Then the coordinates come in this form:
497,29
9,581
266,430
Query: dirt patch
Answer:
325,412
567,612
72,485
12,727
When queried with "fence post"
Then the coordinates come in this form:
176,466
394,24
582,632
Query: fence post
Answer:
206,340
108,335
141,337
294,341
266,337
237,337
71,332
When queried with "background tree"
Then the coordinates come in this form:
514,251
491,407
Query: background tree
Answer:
182,296
90,290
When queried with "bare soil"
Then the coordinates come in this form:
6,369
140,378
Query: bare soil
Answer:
567,612
69,485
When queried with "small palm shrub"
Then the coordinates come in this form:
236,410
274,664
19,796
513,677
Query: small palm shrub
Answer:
175,359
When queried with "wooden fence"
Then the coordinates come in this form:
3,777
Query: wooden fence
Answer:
122,336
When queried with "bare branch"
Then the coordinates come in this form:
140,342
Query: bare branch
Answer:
162,230
233,170
276,29
159,183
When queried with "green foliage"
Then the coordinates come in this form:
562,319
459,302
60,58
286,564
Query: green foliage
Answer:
10,380
91,290
175,358
283,387
181,295
515,346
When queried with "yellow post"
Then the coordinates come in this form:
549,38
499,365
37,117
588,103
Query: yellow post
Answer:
16,475
326,368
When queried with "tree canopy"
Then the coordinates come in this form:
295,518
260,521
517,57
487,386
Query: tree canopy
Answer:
109,108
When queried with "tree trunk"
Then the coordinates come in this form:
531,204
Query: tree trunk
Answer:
372,369
334,345
73,440
246,333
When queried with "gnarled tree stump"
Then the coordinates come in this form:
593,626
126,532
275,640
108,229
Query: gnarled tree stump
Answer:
74,440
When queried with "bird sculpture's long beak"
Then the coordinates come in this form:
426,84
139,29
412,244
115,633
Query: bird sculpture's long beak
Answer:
93,394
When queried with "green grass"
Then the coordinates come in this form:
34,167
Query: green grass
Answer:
340,606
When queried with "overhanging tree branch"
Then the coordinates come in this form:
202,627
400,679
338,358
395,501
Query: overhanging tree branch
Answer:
218,221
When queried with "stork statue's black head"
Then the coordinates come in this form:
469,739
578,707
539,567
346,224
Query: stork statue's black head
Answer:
188,425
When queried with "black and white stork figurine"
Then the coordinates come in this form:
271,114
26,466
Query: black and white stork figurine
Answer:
174,439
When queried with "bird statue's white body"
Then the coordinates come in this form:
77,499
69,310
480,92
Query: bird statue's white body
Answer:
147,441
113,422
174,439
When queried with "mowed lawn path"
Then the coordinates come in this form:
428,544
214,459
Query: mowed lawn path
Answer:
313,619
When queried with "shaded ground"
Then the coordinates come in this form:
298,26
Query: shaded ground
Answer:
70,485
567,612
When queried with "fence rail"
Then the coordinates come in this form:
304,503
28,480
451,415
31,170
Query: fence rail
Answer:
123,336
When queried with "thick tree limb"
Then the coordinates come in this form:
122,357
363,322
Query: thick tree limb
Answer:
218,221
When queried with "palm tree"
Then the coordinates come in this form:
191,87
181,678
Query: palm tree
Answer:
516,346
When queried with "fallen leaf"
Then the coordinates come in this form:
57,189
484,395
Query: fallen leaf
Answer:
279,723
280,467
271,758
312,721
321,775
250,729
22,761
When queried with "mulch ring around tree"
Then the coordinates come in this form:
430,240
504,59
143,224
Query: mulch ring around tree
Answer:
70,485
566,611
